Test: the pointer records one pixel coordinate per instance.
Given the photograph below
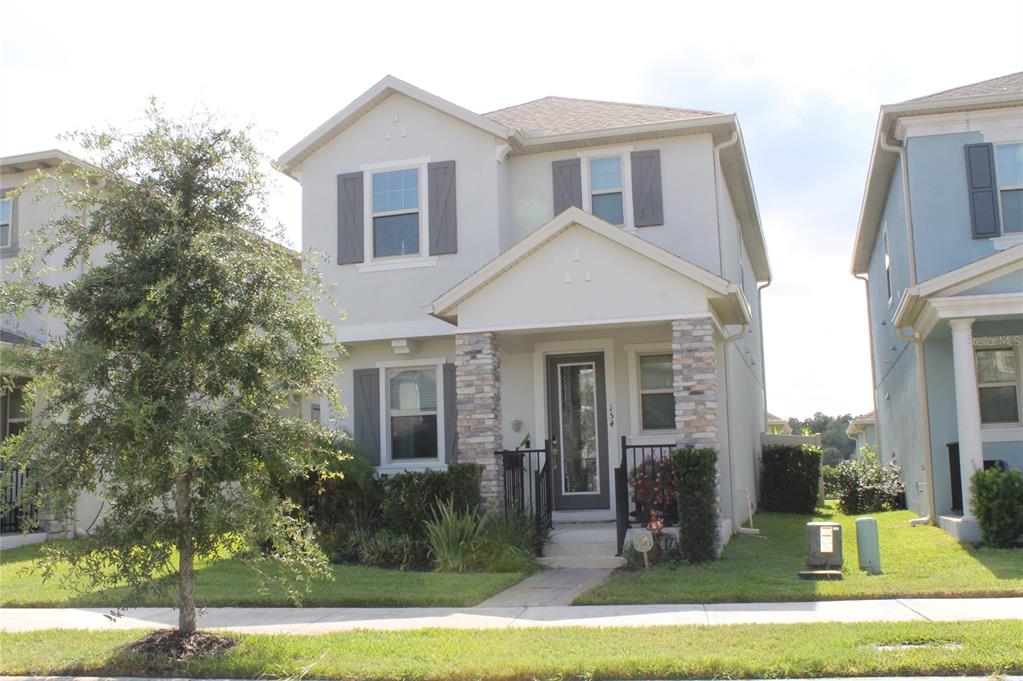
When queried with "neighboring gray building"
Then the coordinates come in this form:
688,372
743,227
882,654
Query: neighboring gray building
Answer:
940,245
863,429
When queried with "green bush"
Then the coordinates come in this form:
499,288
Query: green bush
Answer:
998,504
409,498
466,540
830,476
695,472
865,486
789,478
389,549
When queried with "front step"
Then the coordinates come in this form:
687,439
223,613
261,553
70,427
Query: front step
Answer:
582,545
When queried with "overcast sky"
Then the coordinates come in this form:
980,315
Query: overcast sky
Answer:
806,80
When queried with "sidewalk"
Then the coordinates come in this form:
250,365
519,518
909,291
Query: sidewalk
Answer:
324,620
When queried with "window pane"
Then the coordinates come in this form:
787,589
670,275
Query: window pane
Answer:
658,411
579,444
996,366
1010,164
396,235
655,372
5,234
605,173
6,208
414,437
999,405
609,207
396,190
1012,210
414,390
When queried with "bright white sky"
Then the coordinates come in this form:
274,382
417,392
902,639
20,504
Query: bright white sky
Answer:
806,80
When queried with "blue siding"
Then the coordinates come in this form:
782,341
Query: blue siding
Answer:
940,202
1009,283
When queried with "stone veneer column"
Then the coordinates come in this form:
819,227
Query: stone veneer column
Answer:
478,406
693,362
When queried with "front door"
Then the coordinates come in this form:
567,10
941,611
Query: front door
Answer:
577,423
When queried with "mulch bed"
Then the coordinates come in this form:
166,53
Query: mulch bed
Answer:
172,644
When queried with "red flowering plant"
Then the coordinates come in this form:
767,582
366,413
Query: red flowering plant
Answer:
653,487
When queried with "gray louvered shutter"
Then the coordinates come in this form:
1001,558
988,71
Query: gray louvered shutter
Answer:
982,185
443,222
568,184
647,201
349,219
367,412
450,413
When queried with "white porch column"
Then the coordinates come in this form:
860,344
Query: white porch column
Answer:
971,452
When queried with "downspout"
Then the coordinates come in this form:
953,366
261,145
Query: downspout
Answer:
917,341
873,369
900,151
717,196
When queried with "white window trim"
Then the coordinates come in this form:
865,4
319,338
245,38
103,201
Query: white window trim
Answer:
1018,384
625,156
633,353
11,246
396,262
386,463
1005,239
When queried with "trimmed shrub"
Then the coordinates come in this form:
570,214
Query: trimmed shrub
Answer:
789,478
830,477
389,549
409,498
696,472
998,503
865,486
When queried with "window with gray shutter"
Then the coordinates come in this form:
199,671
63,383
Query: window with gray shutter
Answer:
647,201
349,219
443,216
983,188
450,414
366,412
568,184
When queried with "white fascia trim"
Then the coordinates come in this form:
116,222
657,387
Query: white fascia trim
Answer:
974,274
985,121
986,305
293,157
445,304
20,163
618,321
530,143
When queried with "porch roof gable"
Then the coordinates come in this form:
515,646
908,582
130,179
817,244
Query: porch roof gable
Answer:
725,298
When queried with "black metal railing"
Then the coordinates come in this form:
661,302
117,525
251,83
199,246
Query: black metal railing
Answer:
529,487
628,509
15,482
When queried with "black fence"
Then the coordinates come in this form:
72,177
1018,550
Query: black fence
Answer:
16,481
528,486
630,510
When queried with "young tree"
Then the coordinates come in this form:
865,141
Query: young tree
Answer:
184,346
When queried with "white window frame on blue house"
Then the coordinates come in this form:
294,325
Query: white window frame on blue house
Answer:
1003,188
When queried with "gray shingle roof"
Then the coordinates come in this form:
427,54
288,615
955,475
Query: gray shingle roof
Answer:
564,115
1012,83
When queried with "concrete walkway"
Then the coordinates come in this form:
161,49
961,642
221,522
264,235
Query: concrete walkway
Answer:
548,587
323,620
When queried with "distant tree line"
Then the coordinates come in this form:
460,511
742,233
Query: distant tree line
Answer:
836,444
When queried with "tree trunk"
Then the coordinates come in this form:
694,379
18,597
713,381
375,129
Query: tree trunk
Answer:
186,553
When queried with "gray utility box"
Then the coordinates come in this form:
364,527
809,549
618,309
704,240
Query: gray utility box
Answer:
824,545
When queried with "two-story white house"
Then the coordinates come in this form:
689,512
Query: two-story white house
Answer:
577,272
940,246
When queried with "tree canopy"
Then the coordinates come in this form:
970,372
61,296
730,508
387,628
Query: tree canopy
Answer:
836,444
186,343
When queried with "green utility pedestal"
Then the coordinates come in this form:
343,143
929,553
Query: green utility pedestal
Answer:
867,545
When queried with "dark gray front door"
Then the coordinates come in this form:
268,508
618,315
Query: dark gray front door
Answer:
577,423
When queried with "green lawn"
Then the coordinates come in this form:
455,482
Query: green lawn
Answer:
748,651
917,561
228,582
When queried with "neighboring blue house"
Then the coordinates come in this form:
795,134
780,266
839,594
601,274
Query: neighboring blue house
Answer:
940,246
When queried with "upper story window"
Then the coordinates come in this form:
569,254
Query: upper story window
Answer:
396,214
412,409
887,265
1010,185
607,199
998,382
6,223
656,392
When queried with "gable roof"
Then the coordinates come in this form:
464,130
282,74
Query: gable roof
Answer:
727,299
565,115
292,159
1000,92
1001,85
